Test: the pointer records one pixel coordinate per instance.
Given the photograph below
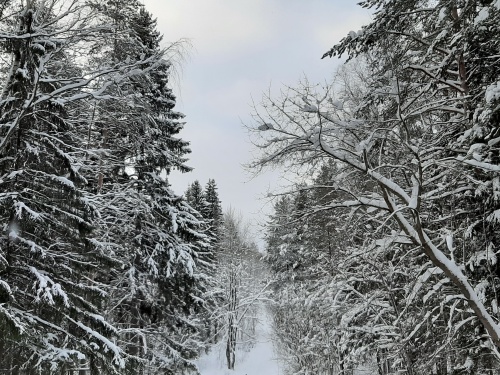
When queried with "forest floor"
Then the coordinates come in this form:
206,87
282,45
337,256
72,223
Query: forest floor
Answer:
258,359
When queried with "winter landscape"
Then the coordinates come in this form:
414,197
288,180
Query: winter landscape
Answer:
213,187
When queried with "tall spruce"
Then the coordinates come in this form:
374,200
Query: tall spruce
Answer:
51,309
165,264
195,196
100,264
213,211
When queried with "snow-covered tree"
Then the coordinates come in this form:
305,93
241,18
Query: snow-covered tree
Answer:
420,142
195,196
100,260
52,303
238,271
165,258
213,210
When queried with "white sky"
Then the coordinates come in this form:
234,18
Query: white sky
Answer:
240,49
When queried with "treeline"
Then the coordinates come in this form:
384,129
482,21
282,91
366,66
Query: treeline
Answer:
239,287
385,252
103,268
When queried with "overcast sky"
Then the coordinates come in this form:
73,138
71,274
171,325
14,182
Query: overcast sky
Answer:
240,49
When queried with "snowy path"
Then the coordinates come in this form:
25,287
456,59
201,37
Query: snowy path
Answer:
260,360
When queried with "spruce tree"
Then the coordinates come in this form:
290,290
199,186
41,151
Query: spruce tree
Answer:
51,310
213,210
99,258
163,277
195,196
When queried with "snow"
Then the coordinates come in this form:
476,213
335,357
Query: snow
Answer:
485,166
442,14
23,73
118,360
337,104
480,290
482,15
310,108
173,216
65,181
449,243
266,126
494,217
20,207
492,92
420,281
258,360
496,188
487,256
47,288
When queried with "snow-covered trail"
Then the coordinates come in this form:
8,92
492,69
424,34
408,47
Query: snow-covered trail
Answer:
259,360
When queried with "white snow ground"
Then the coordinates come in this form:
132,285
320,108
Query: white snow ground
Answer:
259,360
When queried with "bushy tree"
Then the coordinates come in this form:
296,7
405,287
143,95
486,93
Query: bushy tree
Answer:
420,144
238,270
101,264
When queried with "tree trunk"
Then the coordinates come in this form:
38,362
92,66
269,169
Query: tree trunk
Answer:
232,321
83,365
231,344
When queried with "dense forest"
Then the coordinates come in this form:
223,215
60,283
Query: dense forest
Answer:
103,268
380,255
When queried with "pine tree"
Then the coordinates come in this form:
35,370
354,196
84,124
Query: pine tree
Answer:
213,211
99,258
195,196
165,256
51,301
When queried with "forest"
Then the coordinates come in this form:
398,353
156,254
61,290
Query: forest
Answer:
379,256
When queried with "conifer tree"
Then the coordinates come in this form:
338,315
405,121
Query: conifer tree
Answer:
100,260
164,254
52,302
213,211
195,196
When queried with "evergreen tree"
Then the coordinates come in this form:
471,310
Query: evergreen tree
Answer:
166,259
195,196
213,211
102,265
51,300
